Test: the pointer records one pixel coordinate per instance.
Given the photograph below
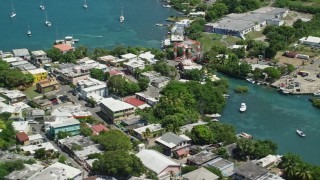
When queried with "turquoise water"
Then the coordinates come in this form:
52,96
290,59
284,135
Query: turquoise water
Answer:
97,26
274,116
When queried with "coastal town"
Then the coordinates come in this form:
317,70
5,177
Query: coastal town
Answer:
139,113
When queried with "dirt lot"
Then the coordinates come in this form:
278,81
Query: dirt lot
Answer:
293,16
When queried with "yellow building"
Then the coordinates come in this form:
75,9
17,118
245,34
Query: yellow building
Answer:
39,74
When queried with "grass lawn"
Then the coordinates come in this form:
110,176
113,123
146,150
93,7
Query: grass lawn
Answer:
208,39
231,40
31,92
254,35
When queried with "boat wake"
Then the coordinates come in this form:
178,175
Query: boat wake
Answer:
90,36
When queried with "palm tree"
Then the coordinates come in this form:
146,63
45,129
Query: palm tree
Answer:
304,172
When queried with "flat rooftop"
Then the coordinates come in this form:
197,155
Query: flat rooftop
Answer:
116,105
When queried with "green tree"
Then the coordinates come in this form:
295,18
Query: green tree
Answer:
264,148
202,135
273,73
245,148
113,140
62,134
106,76
62,159
85,131
40,153
222,152
81,52
69,57
186,169
194,74
99,52
97,74
143,83
126,164
215,171
119,50
54,54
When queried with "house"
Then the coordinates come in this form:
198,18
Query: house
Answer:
21,53
80,147
268,161
136,103
39,74
140,132
201,158
310,41
114,72
134,64
39,57
22,138
70,110
188,64
47,85
159,164
174,144
129,56
148,57
13,96
92,86
116,110
58,171
197,14
47,146
106,59
25,173
69,125
64,48
200,174
36,139
150,75
35,115
147,98
21,126
241,24
96,129
226,167
160,82
249,171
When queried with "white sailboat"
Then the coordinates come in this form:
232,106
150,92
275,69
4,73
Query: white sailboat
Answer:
29,31
47,22
243,107
121,17
13,13
85,5
41,6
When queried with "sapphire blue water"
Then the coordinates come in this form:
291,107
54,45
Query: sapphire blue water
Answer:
97,26
271,115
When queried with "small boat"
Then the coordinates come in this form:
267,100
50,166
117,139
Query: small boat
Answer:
121,17
243,107
226,95
13,13
250,80
215,120
47,22
283,90
316,93
167,6
300,133
29,31
41,6
245,135
85,5
217,115
159,24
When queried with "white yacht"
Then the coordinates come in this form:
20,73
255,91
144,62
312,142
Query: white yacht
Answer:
85,5
41,6
250,80
167,6
121,17
300,133
29,31
13,13
316,93
47,22
243,107
217,115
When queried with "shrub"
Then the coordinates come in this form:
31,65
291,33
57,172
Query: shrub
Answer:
241,89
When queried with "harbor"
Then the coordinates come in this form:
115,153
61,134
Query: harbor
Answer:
274,116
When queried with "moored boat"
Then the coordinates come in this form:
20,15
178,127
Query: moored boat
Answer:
217,115
245,135
300,133
316,93
250,80
243,107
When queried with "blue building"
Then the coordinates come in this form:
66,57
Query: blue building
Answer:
70,125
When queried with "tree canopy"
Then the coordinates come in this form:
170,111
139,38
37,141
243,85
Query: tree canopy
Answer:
119,164
113,140
121,87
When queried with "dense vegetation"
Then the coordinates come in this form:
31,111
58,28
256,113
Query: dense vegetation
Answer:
306,6
212,133
254,149
7,135
295,168
99,74
113,140
316,102
183,103
241,89
10,166
13,78
122,87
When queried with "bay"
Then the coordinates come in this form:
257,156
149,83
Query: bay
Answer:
271,115
97,26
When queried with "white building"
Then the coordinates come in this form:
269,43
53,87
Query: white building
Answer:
33,148
21,126
22,53
58,171
40,57
132,65
129,56
13,95
159,164
92,86
139,132
116,110
310,41
35,139
149,57
70,110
